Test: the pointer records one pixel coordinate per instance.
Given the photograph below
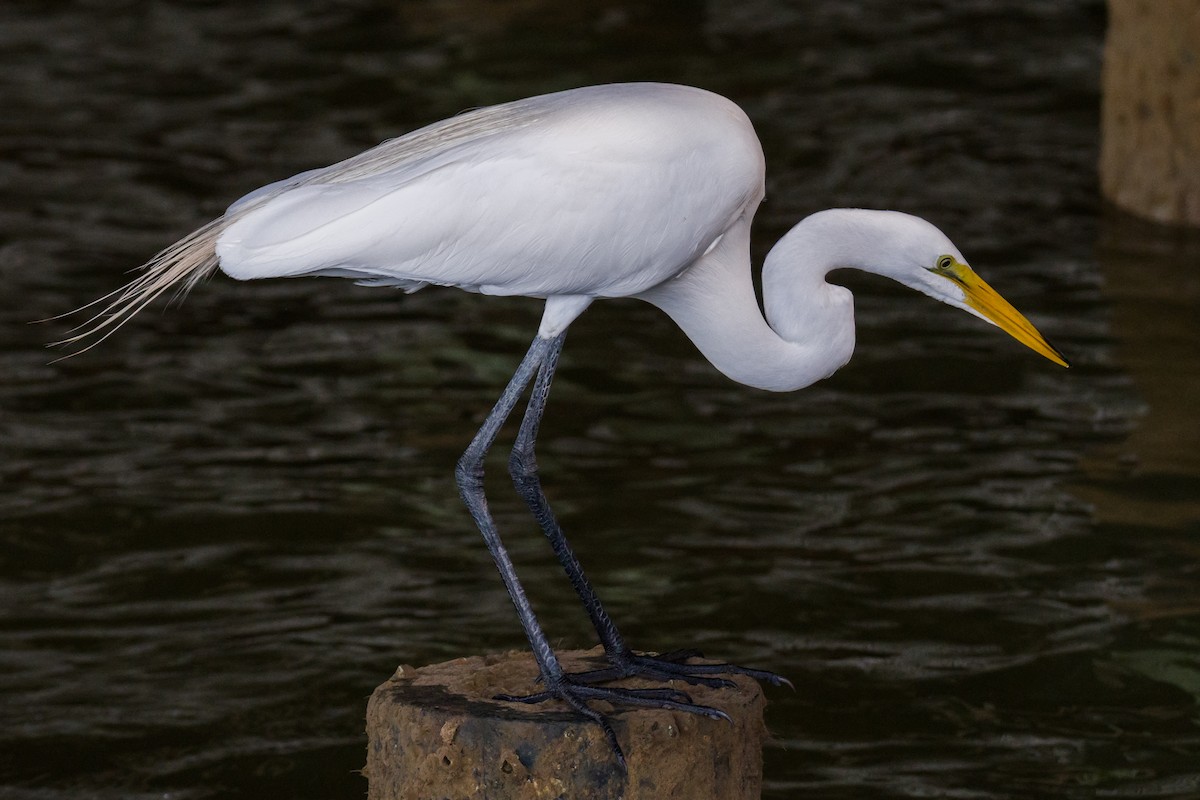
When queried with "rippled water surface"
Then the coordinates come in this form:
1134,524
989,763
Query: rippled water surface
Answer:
222,528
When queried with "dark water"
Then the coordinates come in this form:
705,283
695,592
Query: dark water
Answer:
225,526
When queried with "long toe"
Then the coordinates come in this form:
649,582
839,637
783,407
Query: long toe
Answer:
577,695
675,666
649,672
570,692
761,675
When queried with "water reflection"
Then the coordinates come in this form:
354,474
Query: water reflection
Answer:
1149,278
224,527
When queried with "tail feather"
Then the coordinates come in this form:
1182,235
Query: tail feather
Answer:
194,257
183,265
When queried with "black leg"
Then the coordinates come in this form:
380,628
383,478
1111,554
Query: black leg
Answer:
522,465
469,474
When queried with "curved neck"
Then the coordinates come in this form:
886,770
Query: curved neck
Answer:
714,303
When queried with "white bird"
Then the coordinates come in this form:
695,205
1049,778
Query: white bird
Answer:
627,190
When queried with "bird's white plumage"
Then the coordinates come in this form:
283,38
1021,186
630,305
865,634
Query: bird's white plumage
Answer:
602,192
624,190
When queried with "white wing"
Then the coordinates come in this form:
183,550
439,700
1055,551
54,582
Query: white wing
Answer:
602,191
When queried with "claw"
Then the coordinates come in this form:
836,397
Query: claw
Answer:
679,656
577,694
576,689
673,666
608,674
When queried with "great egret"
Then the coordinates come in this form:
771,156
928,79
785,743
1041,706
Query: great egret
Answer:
628,190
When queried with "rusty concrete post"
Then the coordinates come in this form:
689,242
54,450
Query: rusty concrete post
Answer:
1150,152
436,732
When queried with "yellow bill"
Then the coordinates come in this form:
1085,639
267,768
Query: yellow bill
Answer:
988,302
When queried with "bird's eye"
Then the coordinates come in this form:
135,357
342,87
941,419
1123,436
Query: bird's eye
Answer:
945,262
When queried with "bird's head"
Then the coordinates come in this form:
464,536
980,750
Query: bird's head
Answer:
950,280
924,258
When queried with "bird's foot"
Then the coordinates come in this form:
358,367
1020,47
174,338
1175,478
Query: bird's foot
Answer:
673,666
576,695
